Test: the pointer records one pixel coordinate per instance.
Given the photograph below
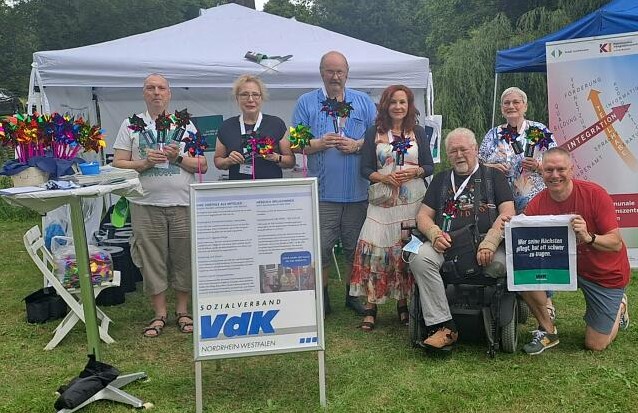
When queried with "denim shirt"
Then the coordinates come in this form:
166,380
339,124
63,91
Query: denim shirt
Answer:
338,173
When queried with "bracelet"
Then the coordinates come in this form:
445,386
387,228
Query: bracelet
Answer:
280,158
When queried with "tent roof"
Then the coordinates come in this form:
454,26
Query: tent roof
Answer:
619,16
208,51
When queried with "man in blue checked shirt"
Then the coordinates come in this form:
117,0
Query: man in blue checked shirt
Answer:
333,157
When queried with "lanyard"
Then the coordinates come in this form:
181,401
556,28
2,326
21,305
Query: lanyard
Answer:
242,127
458,192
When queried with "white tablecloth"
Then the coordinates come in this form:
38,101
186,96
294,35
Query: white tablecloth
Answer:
44,201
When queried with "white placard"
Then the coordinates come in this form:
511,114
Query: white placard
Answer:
540,253
256,268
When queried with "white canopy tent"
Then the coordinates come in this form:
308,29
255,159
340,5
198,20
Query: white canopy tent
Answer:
202,57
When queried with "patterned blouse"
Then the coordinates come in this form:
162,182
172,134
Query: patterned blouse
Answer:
525,184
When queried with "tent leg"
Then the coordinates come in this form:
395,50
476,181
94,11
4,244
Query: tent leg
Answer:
494,104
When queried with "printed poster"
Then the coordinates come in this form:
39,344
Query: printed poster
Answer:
256,268
593,108
540,253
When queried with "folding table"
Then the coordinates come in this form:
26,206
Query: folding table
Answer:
43,201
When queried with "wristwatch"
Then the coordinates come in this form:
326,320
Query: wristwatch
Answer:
593,238
179,159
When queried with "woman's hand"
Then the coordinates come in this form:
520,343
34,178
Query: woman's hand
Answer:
235,158
406,175
531,165
501,167
392,179
273,157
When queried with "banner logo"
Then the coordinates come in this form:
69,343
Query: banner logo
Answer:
556,53
605,47
246,324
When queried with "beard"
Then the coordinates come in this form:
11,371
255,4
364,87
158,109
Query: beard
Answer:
461,168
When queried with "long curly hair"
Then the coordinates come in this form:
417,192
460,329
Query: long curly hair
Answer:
383,122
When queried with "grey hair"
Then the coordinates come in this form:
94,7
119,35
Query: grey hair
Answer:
157,75
464,132
516,90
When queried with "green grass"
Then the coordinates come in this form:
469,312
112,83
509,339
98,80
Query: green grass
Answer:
367,372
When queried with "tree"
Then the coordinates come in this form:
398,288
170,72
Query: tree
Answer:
299,9
34,25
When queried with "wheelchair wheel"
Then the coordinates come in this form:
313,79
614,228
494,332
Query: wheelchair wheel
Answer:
416,327
523,310
509,332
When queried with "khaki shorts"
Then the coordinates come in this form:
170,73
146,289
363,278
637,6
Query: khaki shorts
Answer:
161,247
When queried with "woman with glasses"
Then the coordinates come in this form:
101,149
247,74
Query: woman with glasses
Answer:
501,144
233,150
523,169
395,158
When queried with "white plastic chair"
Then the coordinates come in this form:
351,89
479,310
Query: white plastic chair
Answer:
43,259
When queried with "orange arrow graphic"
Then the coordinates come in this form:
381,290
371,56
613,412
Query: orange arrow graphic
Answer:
617,114
612,136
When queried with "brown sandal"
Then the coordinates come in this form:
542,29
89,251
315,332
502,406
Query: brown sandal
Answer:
155,327
369,325
184,326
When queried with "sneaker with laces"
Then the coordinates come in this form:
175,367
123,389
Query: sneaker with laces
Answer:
624,313
442,339
541,341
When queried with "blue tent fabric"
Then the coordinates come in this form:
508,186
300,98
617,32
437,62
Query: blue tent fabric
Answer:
619,16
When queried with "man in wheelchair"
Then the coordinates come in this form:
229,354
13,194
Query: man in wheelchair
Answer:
460,218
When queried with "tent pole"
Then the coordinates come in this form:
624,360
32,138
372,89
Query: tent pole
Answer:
494,103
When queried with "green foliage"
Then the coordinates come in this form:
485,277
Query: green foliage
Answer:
299,9
37,25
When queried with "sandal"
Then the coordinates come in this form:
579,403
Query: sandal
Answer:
403,314
154,328
184,326
369,325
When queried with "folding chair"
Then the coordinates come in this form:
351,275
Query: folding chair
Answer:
43,259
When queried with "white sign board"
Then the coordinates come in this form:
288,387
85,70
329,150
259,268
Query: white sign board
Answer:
540,253
256,268
593,107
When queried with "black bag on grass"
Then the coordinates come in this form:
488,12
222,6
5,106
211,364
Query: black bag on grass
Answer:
95,376
44,305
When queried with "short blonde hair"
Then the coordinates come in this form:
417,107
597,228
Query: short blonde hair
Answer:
243,79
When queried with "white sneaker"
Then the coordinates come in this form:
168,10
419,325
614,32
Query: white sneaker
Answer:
624,313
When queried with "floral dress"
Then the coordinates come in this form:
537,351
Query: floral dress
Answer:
378,271
524,183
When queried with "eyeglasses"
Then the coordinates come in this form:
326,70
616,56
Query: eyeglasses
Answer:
512,102
332,73
246,96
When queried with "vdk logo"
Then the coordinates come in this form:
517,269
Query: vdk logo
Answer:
246,324
605,47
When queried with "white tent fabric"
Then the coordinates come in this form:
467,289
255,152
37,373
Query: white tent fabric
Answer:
202,57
